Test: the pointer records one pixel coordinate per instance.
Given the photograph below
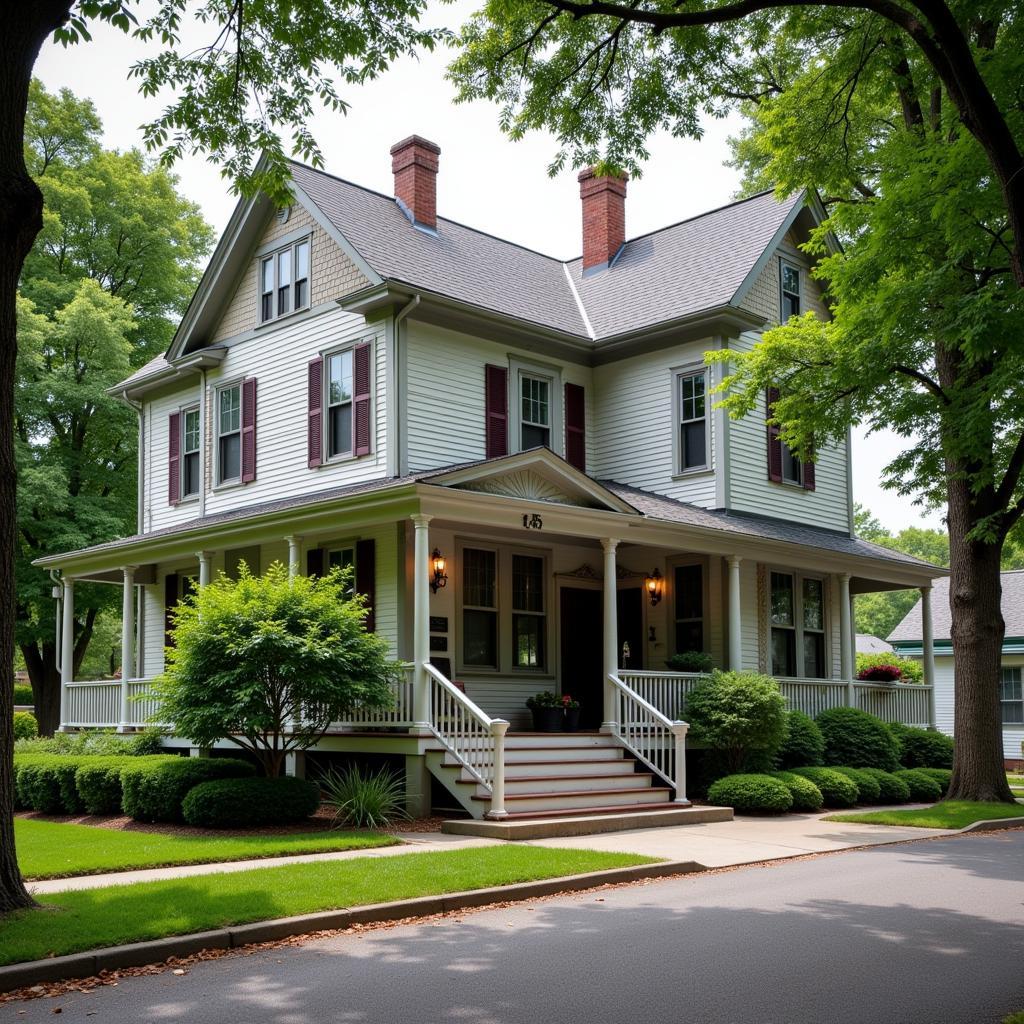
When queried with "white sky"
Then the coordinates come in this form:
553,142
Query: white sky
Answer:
485,180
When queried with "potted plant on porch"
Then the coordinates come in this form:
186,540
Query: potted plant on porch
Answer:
547,711
571,707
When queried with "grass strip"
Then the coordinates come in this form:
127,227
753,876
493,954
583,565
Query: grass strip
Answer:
953,814
74,921
49,849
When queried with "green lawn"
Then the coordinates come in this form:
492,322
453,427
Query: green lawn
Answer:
48,849
954,814
74,921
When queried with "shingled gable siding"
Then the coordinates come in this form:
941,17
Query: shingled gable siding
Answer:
333,274
445,414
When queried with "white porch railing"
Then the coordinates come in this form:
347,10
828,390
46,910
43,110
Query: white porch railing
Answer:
667,691
92,705
653,737
398,716
908,703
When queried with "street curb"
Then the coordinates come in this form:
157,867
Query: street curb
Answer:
139,954
992,825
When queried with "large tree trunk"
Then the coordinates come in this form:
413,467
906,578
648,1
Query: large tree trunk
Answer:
977,634
22,31
43,674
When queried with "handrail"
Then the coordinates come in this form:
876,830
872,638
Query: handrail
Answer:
654,738
475,739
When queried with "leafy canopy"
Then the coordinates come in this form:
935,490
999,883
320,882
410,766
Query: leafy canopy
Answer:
269,662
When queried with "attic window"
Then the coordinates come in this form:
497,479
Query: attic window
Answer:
790,291
284,281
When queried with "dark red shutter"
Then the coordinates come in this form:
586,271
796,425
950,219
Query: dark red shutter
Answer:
248,430
314,413
366,578
174,458
315,562
808,476
361,400
774,444
575,427
171,586
496,410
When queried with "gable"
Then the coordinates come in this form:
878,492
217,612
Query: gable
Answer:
763,297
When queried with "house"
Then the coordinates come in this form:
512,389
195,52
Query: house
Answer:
868,643
906,639
522,460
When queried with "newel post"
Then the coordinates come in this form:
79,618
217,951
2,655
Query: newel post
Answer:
679,730
498,729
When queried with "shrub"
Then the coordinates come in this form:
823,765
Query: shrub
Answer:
751,793
868,789
836,789
23,694
737,713
154,791
855,738
25,725
908,670
365,801
804,744
940,775
691,661
892,790
94,744
923,788
924,748
241,803
98,781
806,795
46,783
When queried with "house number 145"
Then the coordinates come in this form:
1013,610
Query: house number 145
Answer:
532,522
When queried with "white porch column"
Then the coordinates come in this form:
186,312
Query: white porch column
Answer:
611,631
205,567
735,616
127,642
421,622
294,549
846,638
928,650
67,647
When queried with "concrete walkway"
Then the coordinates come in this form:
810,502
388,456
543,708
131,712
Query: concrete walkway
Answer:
720,844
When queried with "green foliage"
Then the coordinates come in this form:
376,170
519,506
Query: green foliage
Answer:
46,783
154,791
939,775
246,803
254,655
370,800
924,748
544,699
98,784
94,743
22,694
836,789
25,725
754,794
691,661
855,738
737,713
804,744
806,795
910,671
891,788
923,788
868,787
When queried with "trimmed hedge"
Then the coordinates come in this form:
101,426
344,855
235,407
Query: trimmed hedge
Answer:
804,744
752,793
154,792
836,789
868,789
923,788
240,803
924,748
855,738
95,744
892,790
941,775
46,783
806,795
25,725
23,694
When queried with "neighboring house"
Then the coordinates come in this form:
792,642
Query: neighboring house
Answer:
867,643
522,460
906,639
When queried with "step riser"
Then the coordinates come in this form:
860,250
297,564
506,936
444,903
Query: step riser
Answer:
521,754
521,770
556,802
518,741
515,786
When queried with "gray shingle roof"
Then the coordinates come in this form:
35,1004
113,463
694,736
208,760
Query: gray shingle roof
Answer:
910,628
692,266
155,365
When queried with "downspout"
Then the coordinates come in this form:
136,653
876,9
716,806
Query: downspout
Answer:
401,466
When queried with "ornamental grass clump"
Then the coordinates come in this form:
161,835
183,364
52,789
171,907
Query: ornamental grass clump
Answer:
373,800
753,794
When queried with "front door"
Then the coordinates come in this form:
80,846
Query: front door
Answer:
581,636
630,604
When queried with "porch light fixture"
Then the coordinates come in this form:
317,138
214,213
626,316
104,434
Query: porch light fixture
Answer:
438,565
653,583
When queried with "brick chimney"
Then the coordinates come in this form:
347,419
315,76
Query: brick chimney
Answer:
604,217
414,163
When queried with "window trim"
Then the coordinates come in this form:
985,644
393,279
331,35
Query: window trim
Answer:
272,253
184,412
798,576
783,291
681,562
518,368
325,407
235,481
677,375
460,653
1002,703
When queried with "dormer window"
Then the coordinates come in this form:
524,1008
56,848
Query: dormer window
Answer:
790,291
284,281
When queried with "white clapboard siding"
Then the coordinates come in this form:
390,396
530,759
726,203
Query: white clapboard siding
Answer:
751,615
158,513
634,429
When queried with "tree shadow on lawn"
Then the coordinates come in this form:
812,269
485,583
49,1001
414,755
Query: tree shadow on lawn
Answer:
766,947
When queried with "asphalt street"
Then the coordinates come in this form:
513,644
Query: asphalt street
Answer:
924,933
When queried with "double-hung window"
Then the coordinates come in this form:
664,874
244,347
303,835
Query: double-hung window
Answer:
229,434
284,281
693,425
479,608
792,467
1011,695
797,621
190,442
343,558
529,621
339,404
535,411
688,596
790,291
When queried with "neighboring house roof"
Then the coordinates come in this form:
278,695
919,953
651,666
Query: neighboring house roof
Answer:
910,629
155,366
868,644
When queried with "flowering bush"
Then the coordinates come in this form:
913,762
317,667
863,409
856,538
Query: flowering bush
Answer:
569,702
908,670
544,699
881,674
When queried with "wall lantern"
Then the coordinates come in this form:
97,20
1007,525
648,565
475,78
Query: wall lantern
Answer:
438,565
653,583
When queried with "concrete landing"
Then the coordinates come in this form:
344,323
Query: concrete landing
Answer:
519,829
